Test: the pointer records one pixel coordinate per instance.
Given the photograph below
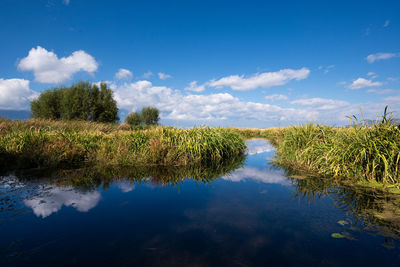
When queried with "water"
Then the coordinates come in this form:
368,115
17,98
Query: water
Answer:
243,214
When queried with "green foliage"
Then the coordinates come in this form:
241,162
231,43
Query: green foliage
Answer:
134,119
81,101
357,153
33,144
150,115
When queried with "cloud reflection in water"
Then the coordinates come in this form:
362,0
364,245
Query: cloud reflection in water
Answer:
52,199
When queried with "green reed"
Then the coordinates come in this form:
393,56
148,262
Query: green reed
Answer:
357,153
37,143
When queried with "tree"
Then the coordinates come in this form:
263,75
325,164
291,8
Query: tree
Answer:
150,115
134,119
80,101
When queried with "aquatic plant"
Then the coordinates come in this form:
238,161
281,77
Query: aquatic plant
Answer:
358,153
48,144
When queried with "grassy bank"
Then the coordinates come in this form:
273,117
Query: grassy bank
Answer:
37,143
363,154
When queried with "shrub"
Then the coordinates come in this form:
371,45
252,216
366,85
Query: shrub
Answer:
134,119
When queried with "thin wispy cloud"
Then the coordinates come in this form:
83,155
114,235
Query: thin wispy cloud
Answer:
276,97
381,56
387,22
163,76
148,74
66,2
381,91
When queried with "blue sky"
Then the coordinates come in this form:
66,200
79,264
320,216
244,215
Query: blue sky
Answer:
227,63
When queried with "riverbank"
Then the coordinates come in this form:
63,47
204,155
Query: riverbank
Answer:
363,155
38,143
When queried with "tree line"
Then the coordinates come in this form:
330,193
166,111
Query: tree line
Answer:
87,101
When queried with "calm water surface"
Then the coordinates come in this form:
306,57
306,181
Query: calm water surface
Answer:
251,216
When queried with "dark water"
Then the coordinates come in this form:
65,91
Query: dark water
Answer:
252,216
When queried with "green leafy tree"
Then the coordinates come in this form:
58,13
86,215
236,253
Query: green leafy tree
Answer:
134,119
47,106
81,101
150,115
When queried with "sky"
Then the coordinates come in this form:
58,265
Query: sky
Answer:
219,63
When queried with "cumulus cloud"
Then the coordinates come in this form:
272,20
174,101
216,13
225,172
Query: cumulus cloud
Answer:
275,97
195,88
123,74
48,68
53,198
320,103
381,56
15,94
266,79
163,76
363,83
177,106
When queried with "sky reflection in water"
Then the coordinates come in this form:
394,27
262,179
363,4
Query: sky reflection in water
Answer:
254,215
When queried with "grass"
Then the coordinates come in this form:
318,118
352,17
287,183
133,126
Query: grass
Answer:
38,143
360,154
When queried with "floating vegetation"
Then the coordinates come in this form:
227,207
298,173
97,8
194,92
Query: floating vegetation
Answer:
337,235
343,222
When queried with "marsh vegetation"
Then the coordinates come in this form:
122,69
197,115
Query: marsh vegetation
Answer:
53,144
368,154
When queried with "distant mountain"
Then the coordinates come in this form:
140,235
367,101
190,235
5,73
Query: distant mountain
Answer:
15,114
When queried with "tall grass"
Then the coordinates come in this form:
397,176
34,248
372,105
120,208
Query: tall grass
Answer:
356,153
37,143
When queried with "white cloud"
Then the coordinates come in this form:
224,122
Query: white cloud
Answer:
387,22
66,2
266,79
268,176
15,94
381,91
275,97
195,88
363,83
381,56
123,74
177,106
48,68
54,198
163,76
257,146
320,103
125,186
